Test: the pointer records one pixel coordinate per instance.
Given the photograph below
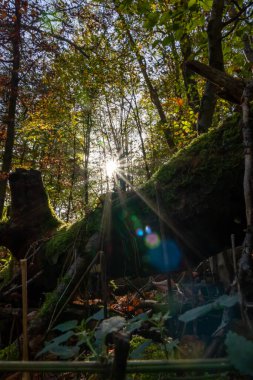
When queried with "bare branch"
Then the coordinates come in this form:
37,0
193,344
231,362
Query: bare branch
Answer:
236,17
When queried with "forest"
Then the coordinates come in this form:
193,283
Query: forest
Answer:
126,189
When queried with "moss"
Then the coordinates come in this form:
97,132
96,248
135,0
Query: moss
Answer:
51,221
51,299
69,236
10,352
201,164
66,238
61,242
6,266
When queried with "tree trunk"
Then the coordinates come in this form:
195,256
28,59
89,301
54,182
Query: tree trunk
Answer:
208,101
139,128
188,75
11,117
246,261
86,151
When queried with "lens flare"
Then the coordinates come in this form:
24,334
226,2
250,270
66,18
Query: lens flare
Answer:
148,230
139,232
165,257
152,241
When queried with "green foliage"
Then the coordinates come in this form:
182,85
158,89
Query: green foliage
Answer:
106,327
50,299
94,338
136,322
69,325
138,346
200,311
10,352
55,346
240,352
69,237
61,242
6,266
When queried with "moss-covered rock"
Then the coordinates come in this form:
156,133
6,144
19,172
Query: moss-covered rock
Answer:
191,207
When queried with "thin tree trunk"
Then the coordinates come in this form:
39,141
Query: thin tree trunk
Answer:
152,90
11,117
188,75
208,101
86,134
139,128
72,182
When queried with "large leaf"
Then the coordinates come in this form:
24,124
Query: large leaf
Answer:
136,322
69,325
54,343
207,5
98,316
227,301
65,352
191,3
240,352
200,311
195,313
170,346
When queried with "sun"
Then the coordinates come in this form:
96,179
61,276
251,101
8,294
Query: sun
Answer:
111,167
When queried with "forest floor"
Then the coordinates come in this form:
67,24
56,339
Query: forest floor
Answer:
177,316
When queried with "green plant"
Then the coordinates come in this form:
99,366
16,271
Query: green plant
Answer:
10,352
220,303
240,352
92,333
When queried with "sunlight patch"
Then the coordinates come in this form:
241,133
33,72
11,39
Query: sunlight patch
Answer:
111,167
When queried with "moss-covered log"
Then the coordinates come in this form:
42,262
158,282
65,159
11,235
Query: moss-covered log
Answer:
185,213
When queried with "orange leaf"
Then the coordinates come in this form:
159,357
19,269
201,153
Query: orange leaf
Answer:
179,101
3,15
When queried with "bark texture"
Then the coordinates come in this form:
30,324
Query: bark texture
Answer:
11,116
227,87
246,261
215,55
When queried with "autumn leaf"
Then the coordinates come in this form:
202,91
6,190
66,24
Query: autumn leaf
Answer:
3,15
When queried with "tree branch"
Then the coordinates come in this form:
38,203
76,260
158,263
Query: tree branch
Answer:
58,37
242,10
228,87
